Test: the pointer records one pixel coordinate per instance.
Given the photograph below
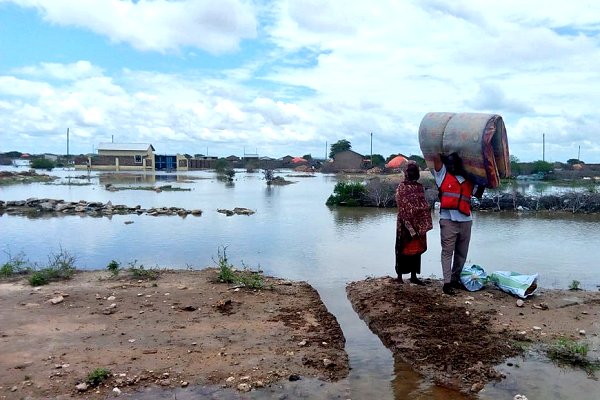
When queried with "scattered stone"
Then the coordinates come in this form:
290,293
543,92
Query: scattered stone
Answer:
582,332
116,391
82,387
327,363
302,343
520,303
520,397
110,298
13,389
56,300
184,384
230,379
537,328
259,384
294,377
244,387
477,387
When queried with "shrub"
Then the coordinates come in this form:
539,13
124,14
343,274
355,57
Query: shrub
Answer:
113,267
14,266
97,376
38,278
61,266
347,193
42,163
142,273
575,285
226,270
228,274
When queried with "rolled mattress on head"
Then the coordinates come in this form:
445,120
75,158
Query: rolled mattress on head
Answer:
479,139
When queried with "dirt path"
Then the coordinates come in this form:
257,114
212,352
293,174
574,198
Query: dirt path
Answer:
457,341
181,330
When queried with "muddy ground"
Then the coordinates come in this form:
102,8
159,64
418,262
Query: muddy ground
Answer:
182,330
456,341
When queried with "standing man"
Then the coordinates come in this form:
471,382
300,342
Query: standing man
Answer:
455,216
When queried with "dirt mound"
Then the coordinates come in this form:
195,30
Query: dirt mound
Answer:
457,341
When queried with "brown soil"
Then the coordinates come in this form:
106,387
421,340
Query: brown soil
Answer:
182,329
457,341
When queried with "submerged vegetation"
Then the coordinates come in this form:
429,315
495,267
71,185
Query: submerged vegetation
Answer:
570,352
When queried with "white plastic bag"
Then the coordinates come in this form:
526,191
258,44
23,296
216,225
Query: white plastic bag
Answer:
514,283
473,277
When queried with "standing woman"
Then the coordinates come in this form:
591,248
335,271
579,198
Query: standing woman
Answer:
414,220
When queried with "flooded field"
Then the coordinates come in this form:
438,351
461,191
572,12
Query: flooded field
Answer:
294,235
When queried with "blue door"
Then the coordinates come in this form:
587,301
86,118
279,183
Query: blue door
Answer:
165,163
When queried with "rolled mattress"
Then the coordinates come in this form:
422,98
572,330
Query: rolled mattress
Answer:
479,139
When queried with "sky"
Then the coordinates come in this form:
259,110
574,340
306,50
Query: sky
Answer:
291,77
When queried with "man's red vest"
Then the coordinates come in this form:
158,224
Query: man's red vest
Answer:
456,196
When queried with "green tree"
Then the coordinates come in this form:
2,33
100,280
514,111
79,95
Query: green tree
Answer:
573,161
221,165
419,160
377,160
542,166
515,167
307,157
42,163
13,154
339,146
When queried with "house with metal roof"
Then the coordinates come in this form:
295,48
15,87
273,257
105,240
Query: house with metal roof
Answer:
132,157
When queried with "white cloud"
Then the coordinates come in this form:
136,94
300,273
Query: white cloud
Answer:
331,70
74,71
157,25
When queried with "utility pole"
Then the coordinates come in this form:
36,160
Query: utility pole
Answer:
371,149
67,147
543,147
579,153
326,150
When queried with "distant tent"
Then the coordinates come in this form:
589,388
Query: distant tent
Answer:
298,160
396,162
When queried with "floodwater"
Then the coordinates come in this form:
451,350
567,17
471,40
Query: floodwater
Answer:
294,235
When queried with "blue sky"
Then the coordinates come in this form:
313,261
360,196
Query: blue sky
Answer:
288,77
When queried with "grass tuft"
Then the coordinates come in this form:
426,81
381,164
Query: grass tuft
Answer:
97,376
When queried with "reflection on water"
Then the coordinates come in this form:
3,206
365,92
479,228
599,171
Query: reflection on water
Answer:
545,188
294,235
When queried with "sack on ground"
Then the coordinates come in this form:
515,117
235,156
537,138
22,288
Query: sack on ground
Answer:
473,277
514,283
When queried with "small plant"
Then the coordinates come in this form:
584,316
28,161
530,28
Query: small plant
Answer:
142,273
571,352
251,279
14,266
575,285
97,376
228,274
61,266
226,270
38,278
113,267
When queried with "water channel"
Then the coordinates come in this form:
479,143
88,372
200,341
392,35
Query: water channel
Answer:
294,235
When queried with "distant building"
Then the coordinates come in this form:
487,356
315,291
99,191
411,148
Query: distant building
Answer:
348,160
131,157
123,157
